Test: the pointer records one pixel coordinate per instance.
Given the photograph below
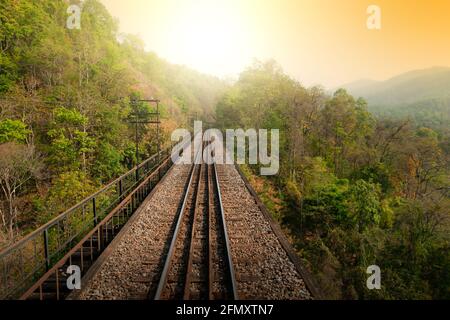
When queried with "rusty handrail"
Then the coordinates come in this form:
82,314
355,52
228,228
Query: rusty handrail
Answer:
54,270
35,253
76,206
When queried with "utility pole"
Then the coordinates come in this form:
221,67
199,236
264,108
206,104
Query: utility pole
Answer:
138,118
190,118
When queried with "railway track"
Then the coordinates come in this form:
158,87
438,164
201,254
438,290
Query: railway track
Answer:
198,265
203,235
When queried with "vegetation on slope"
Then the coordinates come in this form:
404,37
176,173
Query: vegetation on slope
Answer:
352,190
64,104
421,95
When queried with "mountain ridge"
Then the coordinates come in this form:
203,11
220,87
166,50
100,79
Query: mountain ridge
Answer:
409,87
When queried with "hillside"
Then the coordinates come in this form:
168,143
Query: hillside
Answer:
65,102
421,95
410,87
351,188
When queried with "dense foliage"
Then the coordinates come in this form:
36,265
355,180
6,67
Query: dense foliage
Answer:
353,190
433,113
64,105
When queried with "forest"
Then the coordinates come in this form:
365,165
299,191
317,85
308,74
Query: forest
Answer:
354,189
65,103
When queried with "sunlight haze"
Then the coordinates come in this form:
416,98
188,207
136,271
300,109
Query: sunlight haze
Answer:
316,41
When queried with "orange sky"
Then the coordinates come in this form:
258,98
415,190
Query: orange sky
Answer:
316,41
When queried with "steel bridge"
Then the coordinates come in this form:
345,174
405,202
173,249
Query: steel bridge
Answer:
35,265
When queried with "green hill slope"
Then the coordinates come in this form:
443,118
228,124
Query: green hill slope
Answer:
423,95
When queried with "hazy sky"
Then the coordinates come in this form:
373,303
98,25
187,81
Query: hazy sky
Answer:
316,41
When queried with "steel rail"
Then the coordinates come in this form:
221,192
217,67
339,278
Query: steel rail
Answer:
164,275
210,249
227,240
210,204
188,279
212,189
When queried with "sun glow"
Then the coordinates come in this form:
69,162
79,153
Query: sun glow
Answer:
316,41
211,36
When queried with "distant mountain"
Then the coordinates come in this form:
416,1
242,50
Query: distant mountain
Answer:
421,95
410,87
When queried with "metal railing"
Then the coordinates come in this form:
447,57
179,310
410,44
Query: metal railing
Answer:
27,260
95,241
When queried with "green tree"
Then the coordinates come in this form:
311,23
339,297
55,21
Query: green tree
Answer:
365,204
13,131
70,143
67,189
18,166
